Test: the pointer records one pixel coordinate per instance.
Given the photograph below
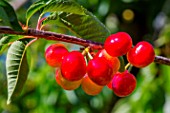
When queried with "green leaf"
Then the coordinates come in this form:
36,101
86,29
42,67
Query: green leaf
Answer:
54,5
68,6
4,41
54,19
84,26
3,16
34,8
8,16
69,14
17,69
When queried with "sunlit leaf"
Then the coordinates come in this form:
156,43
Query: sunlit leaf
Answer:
8,16
54,5
17,69
34,8
84,26
68,6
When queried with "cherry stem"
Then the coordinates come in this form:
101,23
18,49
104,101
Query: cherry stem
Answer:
32,41
86,50
127,66
89,55
40,20
67,38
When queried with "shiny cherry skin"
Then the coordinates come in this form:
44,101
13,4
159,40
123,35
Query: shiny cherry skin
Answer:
123,84
54,54
89,87
113,61
141,55
65,84
99,71
73,66
118,44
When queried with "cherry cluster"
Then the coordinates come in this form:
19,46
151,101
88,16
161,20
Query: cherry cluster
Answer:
73,70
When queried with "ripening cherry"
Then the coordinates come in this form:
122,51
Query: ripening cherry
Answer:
113,61
73,66
54,54
99,71
123,84
141,55
118,44
65,84
89,87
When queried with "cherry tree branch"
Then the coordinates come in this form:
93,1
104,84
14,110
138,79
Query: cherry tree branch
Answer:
162,60
52,36
66,38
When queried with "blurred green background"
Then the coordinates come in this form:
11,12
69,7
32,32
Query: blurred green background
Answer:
143,19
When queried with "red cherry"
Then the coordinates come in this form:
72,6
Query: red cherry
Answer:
113,61
109,85
65,84
73,66
89,87
118,44
99,71
141,55
54,54
123,84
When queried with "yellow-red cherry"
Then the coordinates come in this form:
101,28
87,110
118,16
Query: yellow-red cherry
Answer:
89,87
65,84
123,84
99,71
118,44
113,61
73,66
141,55
54,54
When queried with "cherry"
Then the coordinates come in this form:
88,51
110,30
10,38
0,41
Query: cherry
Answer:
89,87
113,61
99,71
141,55
65,84
73,66
109,85
123,84
118,44
54,54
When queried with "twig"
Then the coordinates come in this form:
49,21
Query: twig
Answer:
66,38
52,36
162,60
